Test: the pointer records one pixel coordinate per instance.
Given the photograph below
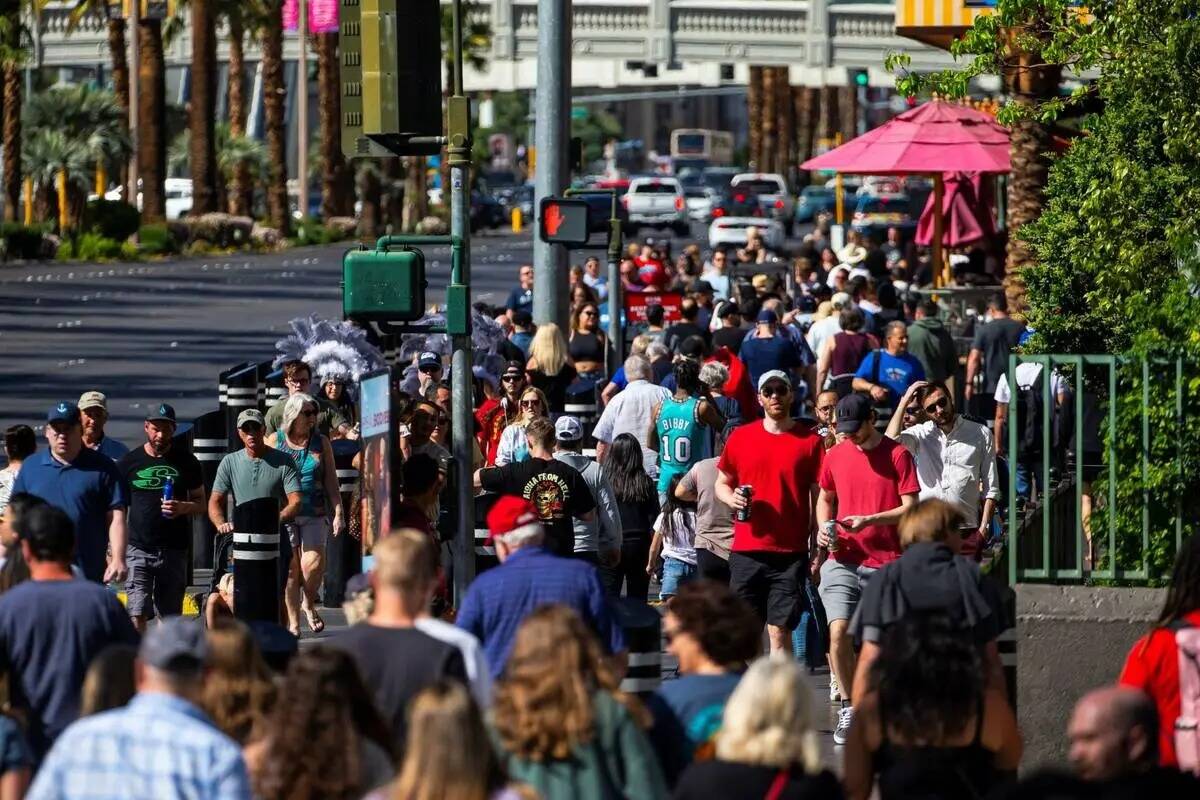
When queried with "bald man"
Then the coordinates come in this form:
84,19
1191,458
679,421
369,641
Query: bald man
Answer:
1113,733
1114,748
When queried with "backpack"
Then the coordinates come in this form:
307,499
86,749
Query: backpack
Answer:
1029,409
1187,724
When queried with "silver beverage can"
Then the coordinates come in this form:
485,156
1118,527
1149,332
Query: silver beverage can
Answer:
831,532
743,514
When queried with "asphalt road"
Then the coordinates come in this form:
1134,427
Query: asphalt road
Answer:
149,333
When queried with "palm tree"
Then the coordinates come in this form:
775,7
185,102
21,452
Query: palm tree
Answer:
12,56
337,198
203,107
244,18
233,155
274,94
47,153
1028,80
117,54
768,137
152,119
754,107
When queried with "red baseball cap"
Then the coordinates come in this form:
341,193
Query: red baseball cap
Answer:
509,515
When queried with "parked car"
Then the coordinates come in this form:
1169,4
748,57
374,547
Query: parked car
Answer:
178,192
731,232
600,210
699,201
773,195
741,201
883,211
816,200
718,178
657,203
486,212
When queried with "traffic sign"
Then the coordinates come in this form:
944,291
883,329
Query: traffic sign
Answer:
562,221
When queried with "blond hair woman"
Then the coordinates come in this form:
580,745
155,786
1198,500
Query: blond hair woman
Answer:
453,758
767,745
513,447
563,724
550,367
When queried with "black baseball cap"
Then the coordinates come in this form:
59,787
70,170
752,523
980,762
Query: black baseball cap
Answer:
852,411
728,309
163,412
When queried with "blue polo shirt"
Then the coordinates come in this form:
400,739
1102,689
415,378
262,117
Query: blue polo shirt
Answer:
112,448
500,599
87,489
896,373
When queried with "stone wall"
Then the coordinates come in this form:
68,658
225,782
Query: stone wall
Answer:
1070,639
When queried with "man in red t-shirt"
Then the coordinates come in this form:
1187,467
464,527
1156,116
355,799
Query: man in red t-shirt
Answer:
867,481
780,460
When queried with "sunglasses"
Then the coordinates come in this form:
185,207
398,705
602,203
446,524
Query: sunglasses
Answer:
531,403
936,405
251,428
775,391
826,409
588,314
309,412
428,370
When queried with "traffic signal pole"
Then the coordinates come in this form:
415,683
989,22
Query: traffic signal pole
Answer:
552,132
458,317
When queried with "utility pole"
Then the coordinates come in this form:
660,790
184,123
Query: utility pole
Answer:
135,33
458,313
551,106
302,109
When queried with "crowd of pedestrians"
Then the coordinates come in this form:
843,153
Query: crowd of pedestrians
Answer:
776,464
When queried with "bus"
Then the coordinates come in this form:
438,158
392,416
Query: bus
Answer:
699,148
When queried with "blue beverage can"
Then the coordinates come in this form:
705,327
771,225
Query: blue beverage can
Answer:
168,489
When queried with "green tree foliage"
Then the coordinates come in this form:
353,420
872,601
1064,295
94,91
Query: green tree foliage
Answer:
1118,245
595,128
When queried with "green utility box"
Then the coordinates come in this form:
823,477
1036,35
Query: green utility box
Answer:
384,285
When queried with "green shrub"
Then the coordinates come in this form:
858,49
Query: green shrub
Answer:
129,252
112,219
23,241
310,231
156,240
94,247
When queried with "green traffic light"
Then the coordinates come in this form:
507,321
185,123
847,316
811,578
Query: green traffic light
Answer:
861,78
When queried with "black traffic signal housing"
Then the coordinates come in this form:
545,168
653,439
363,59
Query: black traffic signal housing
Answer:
563,221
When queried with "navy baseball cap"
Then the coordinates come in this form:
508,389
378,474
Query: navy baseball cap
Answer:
852,411
64,411
163,412
767,317
429,359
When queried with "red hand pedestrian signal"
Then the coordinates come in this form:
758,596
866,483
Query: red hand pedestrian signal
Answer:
564,221
554,219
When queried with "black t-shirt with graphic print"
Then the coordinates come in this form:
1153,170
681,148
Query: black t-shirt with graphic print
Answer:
145,476
556,489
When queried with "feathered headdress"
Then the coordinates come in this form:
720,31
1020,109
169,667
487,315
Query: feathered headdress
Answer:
335,351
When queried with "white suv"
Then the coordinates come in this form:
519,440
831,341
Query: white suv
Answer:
774,199
657,203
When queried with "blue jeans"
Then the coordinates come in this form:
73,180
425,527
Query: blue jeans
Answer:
675,573
1026,472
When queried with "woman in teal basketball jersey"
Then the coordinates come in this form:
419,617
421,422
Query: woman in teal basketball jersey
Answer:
681,425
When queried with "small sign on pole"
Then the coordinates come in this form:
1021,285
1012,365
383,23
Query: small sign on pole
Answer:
562,221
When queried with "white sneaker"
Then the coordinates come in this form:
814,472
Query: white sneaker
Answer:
842,732
835,691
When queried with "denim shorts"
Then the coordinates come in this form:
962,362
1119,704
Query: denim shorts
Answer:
675,573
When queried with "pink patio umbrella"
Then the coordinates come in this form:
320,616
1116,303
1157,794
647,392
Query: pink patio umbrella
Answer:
934,138
965,209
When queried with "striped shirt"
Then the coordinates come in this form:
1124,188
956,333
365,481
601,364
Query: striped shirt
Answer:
159,746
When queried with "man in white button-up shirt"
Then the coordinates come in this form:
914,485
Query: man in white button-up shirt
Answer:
956,460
